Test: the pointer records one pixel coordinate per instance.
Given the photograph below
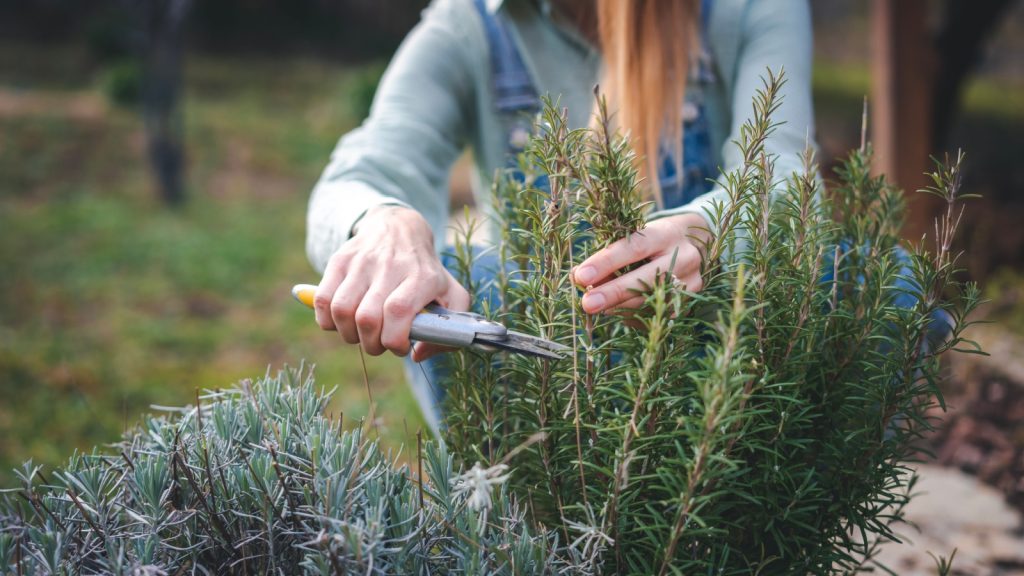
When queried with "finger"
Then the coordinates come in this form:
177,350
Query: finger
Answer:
401,307
619,254
614,293
345,303
627,290
632,304
599,282
455,298
691,283
370,316
423,350
686,260
334,273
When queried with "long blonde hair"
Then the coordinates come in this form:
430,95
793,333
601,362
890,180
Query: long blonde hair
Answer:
647,45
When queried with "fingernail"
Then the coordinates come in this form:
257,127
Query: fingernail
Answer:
593,301
586,275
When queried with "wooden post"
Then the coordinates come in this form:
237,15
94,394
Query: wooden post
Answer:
901,72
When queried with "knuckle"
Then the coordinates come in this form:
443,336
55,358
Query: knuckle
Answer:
636,245
322,301
341,309
389,341
692,283
396,344
339,259
614,294
698,283
686,259
432,278
398,307
692,252
366,319
623,292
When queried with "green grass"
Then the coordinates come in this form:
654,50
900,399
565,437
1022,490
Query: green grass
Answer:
111,302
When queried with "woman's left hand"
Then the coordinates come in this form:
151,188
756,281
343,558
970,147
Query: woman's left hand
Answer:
683,236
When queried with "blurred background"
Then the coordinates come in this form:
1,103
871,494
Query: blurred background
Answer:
156,157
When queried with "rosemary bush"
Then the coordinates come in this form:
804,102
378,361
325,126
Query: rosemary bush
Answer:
763,425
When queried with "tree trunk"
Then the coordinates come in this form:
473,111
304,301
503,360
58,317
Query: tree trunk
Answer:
164,23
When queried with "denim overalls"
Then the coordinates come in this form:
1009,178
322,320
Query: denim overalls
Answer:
518,101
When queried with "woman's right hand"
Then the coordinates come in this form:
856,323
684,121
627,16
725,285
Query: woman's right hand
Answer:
384,275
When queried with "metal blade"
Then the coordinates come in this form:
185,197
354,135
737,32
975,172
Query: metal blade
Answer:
525,344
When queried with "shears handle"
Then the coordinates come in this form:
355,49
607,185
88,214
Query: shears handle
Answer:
434,323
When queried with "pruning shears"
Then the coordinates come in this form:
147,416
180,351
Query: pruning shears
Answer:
439,325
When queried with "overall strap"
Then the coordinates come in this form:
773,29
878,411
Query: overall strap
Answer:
513,88
698,165
704,72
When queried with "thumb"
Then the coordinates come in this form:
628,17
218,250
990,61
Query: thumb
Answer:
455,298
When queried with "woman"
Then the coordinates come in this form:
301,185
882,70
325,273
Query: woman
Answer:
681,74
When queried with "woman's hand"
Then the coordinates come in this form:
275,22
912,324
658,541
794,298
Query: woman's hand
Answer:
377,282
684,236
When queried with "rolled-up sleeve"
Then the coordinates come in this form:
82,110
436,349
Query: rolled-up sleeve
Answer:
776,35
417,125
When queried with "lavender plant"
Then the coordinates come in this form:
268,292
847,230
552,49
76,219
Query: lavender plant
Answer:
257,480
764,425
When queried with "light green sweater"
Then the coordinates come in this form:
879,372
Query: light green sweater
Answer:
436,98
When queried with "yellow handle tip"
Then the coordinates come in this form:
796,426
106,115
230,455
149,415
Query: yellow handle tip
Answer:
304,293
